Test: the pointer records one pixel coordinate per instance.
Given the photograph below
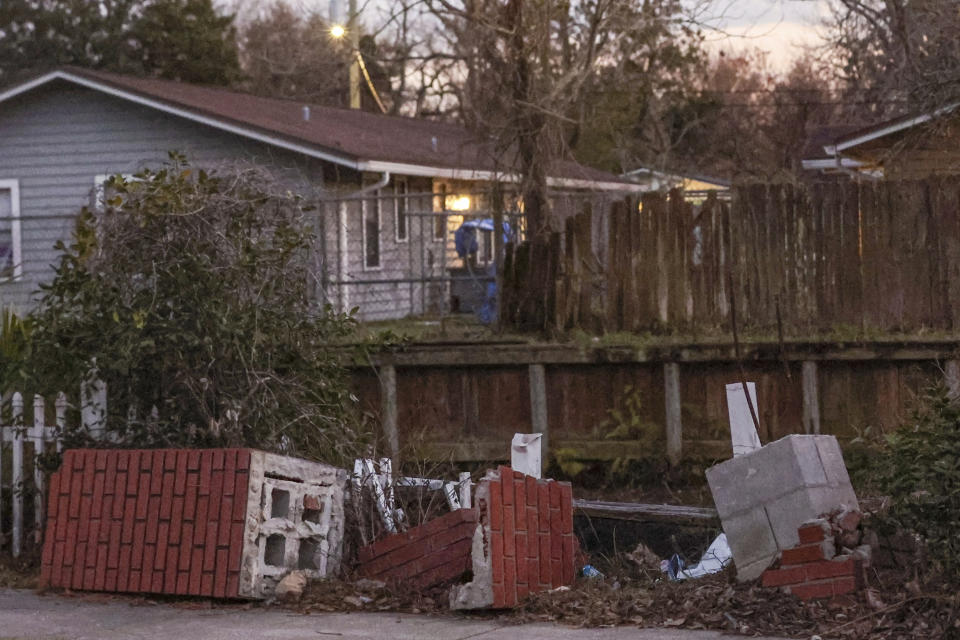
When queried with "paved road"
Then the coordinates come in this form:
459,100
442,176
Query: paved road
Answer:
25,615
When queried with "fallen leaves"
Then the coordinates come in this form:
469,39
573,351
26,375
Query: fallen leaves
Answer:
718,602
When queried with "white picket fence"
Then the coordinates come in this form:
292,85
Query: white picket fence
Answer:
19,438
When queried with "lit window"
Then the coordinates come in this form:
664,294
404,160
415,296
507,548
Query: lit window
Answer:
11,267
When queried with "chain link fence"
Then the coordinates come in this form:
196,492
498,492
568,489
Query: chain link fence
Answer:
388,254
392,253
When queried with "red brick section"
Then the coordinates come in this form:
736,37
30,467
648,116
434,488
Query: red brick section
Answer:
156,521
433,553
811,570
532,546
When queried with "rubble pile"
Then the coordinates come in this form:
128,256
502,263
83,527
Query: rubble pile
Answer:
829,560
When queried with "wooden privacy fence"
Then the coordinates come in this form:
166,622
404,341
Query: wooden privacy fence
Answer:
883,255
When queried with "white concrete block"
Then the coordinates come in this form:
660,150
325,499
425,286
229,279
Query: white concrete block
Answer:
294,521
752,541
783,484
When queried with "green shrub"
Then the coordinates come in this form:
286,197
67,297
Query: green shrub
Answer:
919,469
192,296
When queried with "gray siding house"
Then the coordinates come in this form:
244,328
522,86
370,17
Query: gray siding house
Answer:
61,134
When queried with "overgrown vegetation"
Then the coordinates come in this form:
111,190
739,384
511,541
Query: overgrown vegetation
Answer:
627,423
190,294
919,469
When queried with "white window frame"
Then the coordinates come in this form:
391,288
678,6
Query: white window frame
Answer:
16,237
363,228
99,181
398,194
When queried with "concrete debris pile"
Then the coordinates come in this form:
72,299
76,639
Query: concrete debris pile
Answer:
828,560
762,497
241,523
517,540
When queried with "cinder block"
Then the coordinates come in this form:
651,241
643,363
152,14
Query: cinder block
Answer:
784,483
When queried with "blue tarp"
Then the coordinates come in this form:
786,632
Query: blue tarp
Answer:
465,242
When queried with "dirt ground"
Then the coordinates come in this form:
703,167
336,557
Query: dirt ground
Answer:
898,606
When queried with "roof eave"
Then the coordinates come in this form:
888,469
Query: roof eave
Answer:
883,131
479,175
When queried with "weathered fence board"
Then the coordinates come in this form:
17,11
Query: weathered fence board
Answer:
882,255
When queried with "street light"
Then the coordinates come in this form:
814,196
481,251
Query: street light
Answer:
340,29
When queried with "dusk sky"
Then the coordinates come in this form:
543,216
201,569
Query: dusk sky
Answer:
780,27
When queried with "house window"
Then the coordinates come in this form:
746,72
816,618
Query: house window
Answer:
400,191
371,233
487,255
11,266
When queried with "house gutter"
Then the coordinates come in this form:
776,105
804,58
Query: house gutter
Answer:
379,184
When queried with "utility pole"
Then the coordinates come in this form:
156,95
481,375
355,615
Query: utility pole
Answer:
353,31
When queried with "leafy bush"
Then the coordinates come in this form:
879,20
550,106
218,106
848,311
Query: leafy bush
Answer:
624,422
14,349
190,295
919,469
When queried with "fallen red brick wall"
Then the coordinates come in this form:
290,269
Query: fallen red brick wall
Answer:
160,521
432,553
531,541
812,569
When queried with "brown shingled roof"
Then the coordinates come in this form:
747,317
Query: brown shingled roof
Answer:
353,135
823,136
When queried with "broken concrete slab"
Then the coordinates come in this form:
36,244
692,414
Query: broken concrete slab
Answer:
762,497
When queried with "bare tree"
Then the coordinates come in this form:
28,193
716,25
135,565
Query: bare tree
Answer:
896,55
525,74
